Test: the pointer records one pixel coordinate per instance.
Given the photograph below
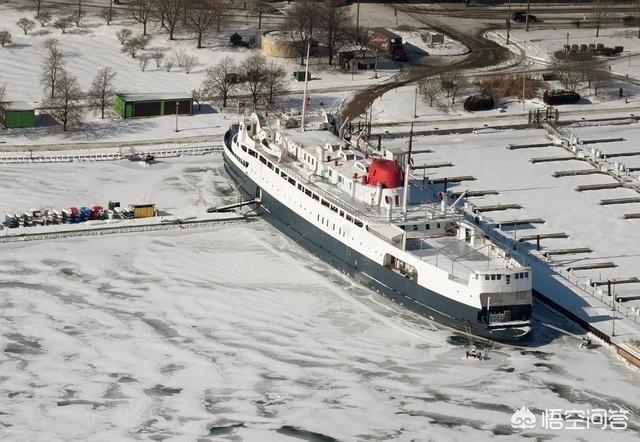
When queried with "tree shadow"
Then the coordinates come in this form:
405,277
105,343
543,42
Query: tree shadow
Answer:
17,46
204,109
45,120
40,32
80,31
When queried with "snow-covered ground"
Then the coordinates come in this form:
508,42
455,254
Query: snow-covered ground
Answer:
417,42
237,334
94,45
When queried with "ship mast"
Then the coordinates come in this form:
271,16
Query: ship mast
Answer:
407,165
306,79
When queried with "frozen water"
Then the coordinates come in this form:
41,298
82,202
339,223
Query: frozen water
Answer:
235,333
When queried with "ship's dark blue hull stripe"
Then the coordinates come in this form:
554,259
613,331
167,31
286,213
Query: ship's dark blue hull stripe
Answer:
364,270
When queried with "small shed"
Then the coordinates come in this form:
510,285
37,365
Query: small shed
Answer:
143,210
151,105
357,59
17,114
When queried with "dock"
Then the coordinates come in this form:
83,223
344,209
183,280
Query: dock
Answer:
111,227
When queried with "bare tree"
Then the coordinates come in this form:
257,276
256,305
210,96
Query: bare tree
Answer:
52,67
107,15
568,68
260,7
254,72
220,9
452,82
63,23
334,23
135,44
168,64
101,92
144,61
51,44
430,88
179,57
597,14
65,106
141,12
44,17
598,75
170,12
221,79
38,5
5,38
299,24
78,16
3,91
188,62
274,81
26,24
157,55
198,97
123,35
200,18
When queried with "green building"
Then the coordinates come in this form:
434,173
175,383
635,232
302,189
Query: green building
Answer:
17,114
151,105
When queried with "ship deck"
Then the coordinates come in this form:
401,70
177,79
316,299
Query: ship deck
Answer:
455,255
447,252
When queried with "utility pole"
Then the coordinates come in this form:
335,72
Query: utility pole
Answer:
613,307
358,23
177,112
508,21
375,66
527,16
370,117
306,80
524,73
415,104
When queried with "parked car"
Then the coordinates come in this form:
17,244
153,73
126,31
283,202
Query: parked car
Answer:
522,17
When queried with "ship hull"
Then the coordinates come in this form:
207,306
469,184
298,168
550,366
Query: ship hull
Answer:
362,269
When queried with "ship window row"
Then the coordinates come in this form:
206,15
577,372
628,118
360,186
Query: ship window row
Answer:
243,162
302,188
498,277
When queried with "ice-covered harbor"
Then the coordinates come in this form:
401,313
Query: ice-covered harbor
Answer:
235,333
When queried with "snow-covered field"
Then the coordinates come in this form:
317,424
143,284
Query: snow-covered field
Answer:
237,334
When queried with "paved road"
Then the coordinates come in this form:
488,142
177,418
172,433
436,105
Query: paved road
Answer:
482,53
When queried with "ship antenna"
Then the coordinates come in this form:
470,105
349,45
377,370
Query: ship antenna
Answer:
306,79
407,166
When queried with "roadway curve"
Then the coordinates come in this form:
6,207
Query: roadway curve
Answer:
482,53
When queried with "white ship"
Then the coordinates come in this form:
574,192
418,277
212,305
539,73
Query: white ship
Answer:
352,207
